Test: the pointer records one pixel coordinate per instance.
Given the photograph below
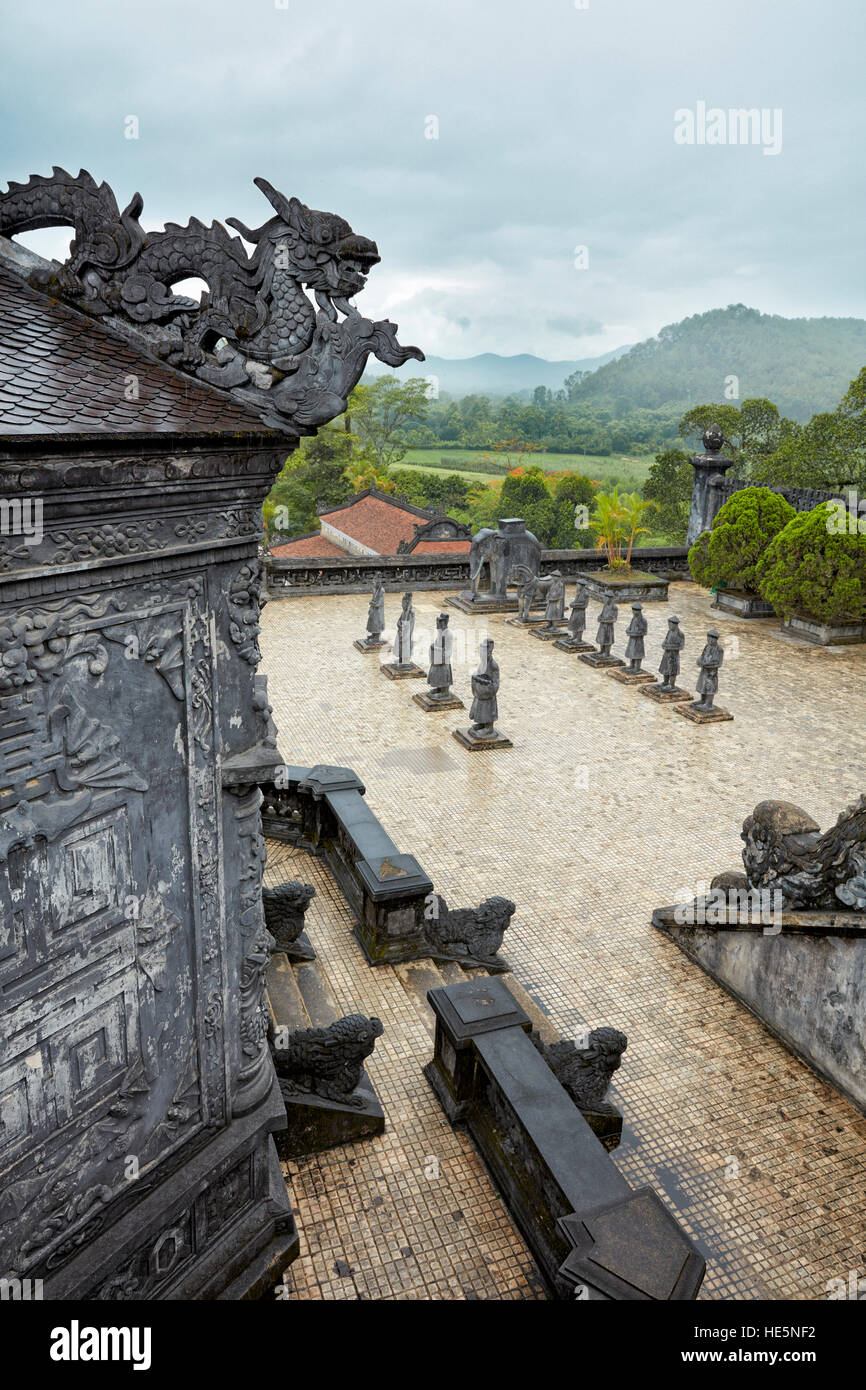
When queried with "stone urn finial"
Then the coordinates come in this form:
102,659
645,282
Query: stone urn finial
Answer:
713,439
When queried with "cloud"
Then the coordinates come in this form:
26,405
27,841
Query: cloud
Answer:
576,325
555,129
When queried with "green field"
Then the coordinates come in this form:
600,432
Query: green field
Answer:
624,470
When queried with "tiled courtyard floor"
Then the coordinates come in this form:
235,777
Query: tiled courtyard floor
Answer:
606,807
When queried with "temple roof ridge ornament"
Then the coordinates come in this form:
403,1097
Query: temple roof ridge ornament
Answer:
256,332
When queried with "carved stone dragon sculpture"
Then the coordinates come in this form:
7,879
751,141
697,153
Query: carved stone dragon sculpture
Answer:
786,851
328,1062
469,934
585,1070
255,332
285,907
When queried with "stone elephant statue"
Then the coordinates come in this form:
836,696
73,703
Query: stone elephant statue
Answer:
494,554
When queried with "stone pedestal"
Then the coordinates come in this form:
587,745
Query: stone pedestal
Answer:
313,1124
665,697
467,739
824,634
567,644
525,622
631,586
430,703
743,605
548,634
360,645
626,677
716,715
599,660
409,671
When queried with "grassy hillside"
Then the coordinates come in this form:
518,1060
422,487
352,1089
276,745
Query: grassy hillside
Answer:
803,365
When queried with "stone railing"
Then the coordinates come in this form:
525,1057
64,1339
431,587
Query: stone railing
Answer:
802,499
322,810
353,575
593,1236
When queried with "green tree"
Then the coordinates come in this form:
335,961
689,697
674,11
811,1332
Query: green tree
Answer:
573,499
382,412
727,555
669,485
812,569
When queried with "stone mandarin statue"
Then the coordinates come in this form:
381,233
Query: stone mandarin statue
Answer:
403,665
484,712
554,613
375,618
636,632
440,676
576,622
703,711
669,666
405,632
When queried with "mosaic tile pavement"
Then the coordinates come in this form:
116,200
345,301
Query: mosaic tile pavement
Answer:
606,807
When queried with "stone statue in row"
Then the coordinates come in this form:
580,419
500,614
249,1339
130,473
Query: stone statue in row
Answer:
402,666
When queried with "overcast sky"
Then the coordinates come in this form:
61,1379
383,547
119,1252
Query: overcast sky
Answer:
555,131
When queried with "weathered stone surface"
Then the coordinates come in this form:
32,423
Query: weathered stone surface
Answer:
824,634
628,586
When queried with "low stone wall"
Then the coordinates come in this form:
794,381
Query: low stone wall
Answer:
807,988
297,578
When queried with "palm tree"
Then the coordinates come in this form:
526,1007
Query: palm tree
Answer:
609,519
634,508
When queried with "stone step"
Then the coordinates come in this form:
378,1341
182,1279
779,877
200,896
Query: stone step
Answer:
452,971
540,1020
416,977
286,1006
316,994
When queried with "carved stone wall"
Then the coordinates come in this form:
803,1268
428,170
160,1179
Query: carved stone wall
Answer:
297,578
132,940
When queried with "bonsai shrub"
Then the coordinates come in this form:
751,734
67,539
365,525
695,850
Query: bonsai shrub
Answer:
815,571
726,556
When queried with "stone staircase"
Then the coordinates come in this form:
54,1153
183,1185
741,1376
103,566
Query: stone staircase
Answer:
419,976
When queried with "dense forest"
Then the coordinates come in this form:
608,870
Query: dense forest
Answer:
803,365
512,440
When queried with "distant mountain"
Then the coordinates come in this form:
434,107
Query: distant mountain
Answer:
492,375
803,365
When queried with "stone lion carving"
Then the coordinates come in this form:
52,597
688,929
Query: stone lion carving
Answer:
471,934
786,851
328,1062
585,1071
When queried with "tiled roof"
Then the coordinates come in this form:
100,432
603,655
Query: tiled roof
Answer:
377,521
316,546
64,373
459,546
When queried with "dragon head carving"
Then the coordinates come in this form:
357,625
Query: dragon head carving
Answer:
320,249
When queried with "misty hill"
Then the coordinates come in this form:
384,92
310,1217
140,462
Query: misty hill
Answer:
488,374
803,365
